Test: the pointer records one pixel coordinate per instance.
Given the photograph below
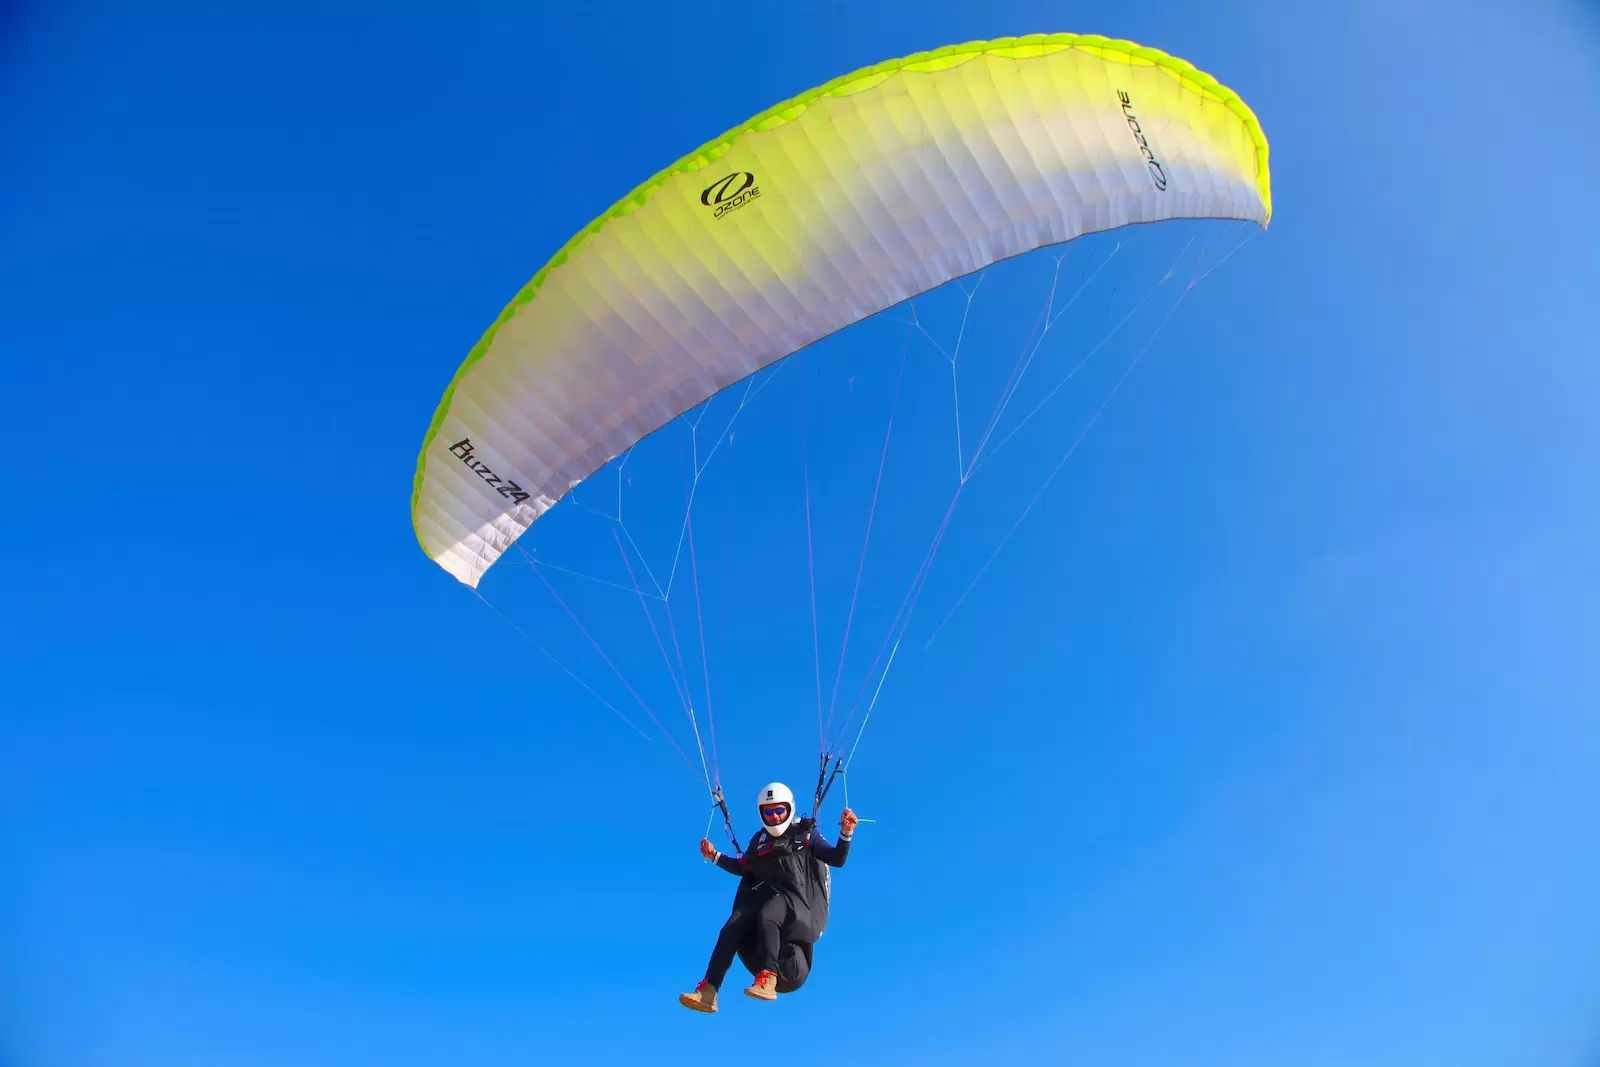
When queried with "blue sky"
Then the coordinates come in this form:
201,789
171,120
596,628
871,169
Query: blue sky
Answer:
1271,736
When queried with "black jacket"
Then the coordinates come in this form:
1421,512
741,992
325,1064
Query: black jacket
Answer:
794,866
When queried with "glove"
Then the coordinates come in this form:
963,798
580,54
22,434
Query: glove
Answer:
847,823
707,851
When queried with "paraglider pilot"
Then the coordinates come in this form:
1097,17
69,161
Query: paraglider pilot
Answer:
781,906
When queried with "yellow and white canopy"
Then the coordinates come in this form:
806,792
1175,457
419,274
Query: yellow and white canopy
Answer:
814,215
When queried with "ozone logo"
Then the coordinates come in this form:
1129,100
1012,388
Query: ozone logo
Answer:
1158,173
730,193
725,189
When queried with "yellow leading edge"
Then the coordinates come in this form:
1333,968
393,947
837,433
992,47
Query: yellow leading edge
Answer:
813,215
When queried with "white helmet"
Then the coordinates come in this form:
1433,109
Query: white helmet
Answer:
775,793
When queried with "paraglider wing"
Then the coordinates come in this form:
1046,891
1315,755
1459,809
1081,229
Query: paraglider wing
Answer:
813,215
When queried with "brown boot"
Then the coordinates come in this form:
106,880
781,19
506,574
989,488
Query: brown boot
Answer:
704,997
765,987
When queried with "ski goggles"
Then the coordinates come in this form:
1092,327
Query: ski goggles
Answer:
774,812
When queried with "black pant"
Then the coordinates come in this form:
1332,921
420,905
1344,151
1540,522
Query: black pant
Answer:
763,921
